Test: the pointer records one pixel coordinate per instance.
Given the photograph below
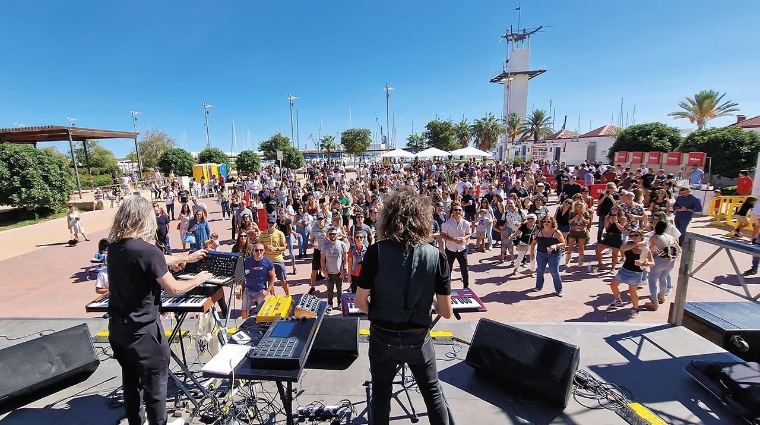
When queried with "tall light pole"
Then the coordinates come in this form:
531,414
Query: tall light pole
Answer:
291,98
73,155
137,148
387,112
206,107
71,121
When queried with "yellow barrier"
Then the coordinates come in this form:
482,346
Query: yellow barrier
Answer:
723,209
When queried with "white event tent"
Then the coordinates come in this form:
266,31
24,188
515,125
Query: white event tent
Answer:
470,151
397,153
431,152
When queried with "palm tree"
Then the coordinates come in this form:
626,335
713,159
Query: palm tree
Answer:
464,133
327,143
538,125
703,107
515,126
486,131
416,142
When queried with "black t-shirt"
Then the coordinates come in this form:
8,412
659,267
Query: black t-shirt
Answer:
285,226
163,227
271,204
133,267
467,198
571,189
647,179
183,194
371,265
604,206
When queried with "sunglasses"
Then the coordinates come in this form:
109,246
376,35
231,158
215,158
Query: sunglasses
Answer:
258,250
359,237
332,235
546,221
457,210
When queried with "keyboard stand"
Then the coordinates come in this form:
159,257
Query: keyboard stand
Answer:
182,363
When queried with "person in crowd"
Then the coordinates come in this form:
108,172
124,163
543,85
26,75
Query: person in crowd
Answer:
547,246
74,224
579,234
486,206
664,263
199,206
162,230
538,207
605,203
481,227
562,216
635,214
439,217
696,175
303,224
570,189
685,206
137,272
200,229
334,265
523,238
456,234
612,237
318,236
660,202
360,227
237,218
260,277
169,196
97,202
184,220
744,184
505,233
224,200
631,273
742,215
399,277
274,246
212,244
355,259
469,204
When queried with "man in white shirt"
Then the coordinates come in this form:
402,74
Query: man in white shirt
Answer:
456,234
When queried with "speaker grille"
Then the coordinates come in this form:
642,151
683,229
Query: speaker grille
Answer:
39,363
524,360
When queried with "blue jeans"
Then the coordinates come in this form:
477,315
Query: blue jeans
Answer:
552,260
681,225
304,244
489,236
289,241
600,230
225,209
658,274
389,349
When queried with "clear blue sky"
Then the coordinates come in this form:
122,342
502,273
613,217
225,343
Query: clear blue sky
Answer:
96,60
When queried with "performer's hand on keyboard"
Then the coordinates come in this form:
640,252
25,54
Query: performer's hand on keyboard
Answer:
203,276
197,256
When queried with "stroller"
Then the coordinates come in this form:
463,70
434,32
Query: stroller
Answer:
98,261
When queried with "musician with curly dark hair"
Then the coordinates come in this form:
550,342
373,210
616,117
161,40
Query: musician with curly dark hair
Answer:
400,277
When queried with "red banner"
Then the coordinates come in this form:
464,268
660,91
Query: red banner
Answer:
637,157
596,190
621,157
653,158
696,158
674,158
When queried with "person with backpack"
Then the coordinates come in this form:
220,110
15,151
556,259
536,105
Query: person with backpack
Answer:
665,250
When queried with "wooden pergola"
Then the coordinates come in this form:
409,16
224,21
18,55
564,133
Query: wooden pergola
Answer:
57,133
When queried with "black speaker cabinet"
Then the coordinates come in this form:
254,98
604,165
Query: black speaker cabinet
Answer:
735,326
46,361
524,361
338,337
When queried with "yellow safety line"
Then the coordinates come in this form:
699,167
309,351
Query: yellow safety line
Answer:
104,333
646,414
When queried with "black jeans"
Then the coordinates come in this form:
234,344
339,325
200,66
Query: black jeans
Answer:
334,283
142,351
461,257
389,349
170,210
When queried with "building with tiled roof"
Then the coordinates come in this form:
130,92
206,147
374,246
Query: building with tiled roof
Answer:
608,130
563,134
751,124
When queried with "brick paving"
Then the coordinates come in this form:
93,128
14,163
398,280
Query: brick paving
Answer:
42,277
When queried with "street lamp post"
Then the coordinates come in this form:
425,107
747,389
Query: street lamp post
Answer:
137,148
291,98
507,144
73,155
387,112
206,107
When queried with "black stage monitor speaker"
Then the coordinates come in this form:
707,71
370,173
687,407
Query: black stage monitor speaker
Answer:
524,361
46,361
338,337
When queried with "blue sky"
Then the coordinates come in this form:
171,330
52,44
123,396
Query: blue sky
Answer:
97,60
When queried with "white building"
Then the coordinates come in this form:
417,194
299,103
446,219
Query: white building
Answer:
569,147
752,124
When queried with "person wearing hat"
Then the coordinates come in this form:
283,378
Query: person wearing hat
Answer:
274,246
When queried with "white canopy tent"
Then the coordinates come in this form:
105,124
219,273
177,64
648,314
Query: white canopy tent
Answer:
431,152
397,153
470,151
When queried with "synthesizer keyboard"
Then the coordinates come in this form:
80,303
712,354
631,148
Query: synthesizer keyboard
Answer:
465,301
227,268
308,306
183,303
274,307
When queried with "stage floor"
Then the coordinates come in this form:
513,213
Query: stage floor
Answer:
647,360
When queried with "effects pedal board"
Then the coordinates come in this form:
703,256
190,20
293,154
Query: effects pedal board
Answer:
307,306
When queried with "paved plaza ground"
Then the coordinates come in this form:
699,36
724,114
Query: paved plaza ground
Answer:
42,277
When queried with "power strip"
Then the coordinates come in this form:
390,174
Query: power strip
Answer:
321,412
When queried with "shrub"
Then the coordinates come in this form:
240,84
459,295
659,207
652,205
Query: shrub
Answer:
34,179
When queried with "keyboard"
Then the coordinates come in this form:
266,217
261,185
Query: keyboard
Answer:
465,300
349,307
183,303
216,280
227,268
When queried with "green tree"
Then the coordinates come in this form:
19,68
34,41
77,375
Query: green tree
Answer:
441,135
99,157
277,142
327,144
34,179
538,125
515,126
705,105
356,141
486,132
649,137
292,158
730,148
416,142
154,142
177,160
248,161
213,156
464,133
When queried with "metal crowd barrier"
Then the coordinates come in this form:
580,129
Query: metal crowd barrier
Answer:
686,272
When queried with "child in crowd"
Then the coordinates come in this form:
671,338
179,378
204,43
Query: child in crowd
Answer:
213,243
483,223
506,241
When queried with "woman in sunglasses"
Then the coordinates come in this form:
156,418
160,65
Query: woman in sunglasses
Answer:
632,271
548,245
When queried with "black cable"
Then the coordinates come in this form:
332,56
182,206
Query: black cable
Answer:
608,396
38,333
